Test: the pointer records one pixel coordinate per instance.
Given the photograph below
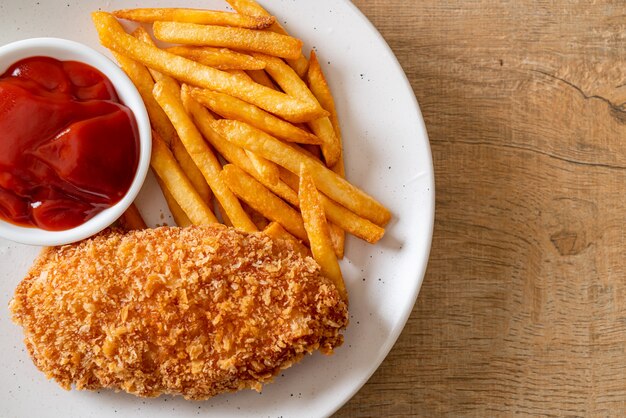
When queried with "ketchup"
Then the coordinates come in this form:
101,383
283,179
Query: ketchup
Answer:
68,148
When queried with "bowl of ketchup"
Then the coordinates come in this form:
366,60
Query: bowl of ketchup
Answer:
75,141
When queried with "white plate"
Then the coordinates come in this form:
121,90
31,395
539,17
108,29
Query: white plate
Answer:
387,154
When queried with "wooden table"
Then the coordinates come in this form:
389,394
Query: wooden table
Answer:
523,308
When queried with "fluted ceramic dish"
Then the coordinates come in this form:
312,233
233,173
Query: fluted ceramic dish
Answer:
63,49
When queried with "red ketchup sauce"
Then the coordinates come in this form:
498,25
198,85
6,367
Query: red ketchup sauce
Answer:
68,148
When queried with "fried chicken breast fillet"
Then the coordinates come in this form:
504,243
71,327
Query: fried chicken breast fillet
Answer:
187,311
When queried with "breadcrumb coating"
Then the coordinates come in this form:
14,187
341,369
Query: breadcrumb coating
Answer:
186,311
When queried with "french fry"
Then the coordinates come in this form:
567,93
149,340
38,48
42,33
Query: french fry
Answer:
351,222
279,188
269,43
231,152
274,230
337,234
230,107
266,169
113,36
338,215
166,167
180,153
141,78
321,91
201,154
204,17
331,184
240,74
142,34
220,58
252,8
331,148
286,78
131,218
317,231
263,200
179,215
338,239
190,169
248,7
261,77
299,65
293,85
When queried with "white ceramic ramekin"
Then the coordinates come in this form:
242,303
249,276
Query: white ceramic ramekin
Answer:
63,49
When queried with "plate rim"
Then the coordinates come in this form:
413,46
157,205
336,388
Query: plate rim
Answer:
421,267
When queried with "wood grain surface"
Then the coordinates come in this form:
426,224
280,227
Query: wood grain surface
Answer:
523,308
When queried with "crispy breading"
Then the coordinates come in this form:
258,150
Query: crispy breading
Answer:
188,311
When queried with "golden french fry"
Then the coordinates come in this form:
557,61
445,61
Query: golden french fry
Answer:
144,82
204,17
319,87
299,65
113,36
266,169
279,188
220,58
142,34
269,43
131,218
180,153
321,91
252,8
179,215
351,222
274,230
317,231
338,239
167,169
286,78
231,152
331,148
141,78
248,7
201,154
293,85
240,74
190,169
230,107
261,77
337,234
327,181
340,216
263,200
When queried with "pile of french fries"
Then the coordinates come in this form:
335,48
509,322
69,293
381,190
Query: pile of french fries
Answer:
245,129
